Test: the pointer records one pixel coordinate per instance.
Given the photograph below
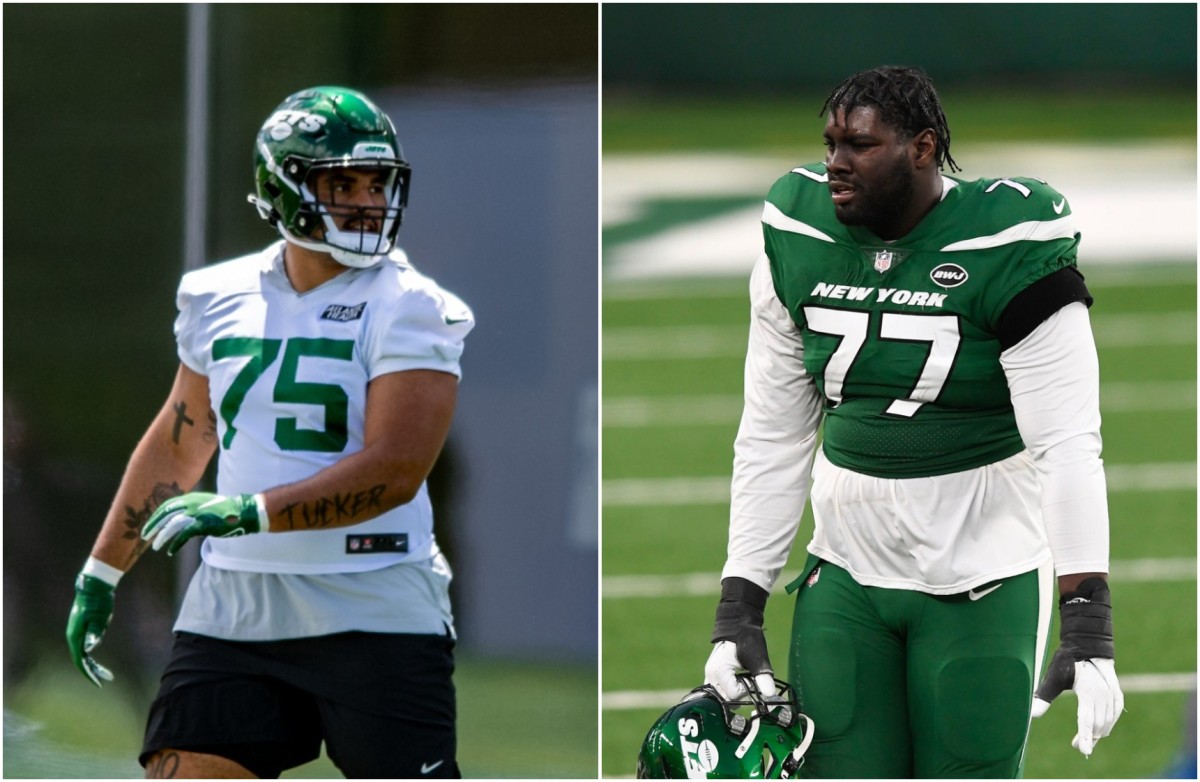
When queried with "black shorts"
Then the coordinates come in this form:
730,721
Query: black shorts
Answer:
382,703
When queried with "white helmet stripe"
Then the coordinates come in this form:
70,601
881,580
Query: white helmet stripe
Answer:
276,170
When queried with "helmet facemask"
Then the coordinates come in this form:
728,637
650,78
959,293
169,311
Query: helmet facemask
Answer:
355,234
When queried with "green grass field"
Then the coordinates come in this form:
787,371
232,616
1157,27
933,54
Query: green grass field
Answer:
672,375
56,725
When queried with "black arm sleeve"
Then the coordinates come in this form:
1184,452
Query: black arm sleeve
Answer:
1030,308
740,619
742,605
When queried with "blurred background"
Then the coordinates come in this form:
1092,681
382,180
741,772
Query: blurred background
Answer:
128,134
704,106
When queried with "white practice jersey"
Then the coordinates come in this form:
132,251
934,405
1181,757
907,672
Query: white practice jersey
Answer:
238,605
288,377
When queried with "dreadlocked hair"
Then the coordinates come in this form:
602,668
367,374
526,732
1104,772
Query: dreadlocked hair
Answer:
905,98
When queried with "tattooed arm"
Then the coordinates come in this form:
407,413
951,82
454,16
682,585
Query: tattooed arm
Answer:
407,419
172,454
169,460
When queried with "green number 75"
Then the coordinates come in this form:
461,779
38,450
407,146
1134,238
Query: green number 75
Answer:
261,353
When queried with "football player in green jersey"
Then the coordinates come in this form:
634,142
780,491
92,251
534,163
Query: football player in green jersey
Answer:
935,331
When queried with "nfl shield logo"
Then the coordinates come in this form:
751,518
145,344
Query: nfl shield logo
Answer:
883,260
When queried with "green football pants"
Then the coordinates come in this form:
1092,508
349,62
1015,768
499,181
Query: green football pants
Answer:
903,684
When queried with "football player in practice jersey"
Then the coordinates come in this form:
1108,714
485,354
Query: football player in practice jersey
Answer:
937,329
323,372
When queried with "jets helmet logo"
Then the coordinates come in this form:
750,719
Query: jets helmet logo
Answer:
701,757
281,123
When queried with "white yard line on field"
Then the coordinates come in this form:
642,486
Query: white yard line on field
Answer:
723,409
646,411
658,343
1100,279
622,700
632,343
714,490
1163,328
1124,571
1162,204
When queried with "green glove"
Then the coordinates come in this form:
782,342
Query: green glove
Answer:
90,615
197,514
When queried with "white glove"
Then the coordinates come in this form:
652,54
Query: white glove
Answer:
722,667
1100,702
1084,663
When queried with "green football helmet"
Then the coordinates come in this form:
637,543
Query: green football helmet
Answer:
327,128
705,736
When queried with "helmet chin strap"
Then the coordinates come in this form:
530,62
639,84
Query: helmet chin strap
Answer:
344,257
748,742
791,763
354,260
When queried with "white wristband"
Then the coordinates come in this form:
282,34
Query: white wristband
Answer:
102,570
264,518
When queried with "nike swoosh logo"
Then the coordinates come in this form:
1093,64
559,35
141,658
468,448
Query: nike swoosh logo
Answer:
427,767
452,321
1059,206
976,595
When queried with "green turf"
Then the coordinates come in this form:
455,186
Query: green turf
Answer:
1125,439
629,533
1153,524
59,726
671,450
1148,295
671,377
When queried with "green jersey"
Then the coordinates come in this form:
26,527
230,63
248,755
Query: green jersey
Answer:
904,338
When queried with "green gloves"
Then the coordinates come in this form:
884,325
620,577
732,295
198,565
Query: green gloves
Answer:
90,615
197,514
174,523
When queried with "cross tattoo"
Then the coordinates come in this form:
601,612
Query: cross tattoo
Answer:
180,419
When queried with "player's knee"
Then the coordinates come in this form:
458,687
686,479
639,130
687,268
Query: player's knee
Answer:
838,689
983,708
